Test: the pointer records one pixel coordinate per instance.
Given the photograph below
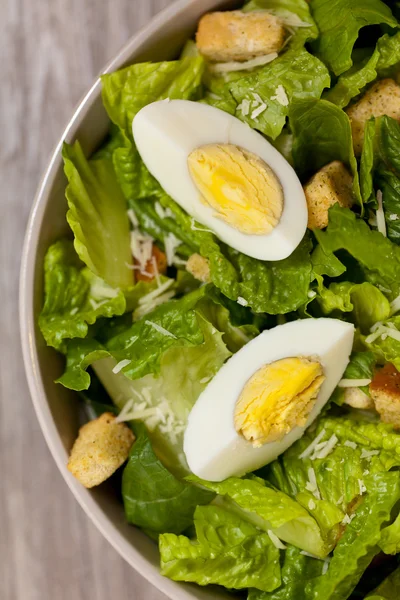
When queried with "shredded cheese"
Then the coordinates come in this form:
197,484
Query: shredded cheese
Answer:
395,306
244,107
281,96
361,487
310,449
328,447
133,218
242,301
242,66
144,309
304,553
161,329
122,363
368,453
380,215
312,485
350,444
258,111
275,540
171,243
311,505
348,383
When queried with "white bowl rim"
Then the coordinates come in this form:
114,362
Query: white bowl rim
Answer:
27,324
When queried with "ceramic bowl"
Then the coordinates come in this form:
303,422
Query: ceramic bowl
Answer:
57,408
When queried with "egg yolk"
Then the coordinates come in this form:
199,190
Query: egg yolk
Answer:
241,188
277,398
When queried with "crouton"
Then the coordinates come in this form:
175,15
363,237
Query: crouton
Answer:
238,36
331,184
199,268
383,98
356,398
385,392
159,258
101,447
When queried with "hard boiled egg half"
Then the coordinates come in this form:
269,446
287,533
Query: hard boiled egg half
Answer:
266,395
225,175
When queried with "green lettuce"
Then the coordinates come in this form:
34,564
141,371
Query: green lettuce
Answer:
361,366
74,297
128,90
97,216
312,123
339,22
269,509
377,256
390,540
297,570
362,449
366,303
301,75
387,349
153,498
389,184
353,81
227,551
304,578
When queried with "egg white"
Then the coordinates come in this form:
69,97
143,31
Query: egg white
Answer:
213,448
166,132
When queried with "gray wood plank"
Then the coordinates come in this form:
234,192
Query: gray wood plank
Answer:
50,51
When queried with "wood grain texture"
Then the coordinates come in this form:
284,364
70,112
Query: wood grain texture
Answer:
50,52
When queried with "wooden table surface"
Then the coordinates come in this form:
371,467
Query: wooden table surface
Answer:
50,52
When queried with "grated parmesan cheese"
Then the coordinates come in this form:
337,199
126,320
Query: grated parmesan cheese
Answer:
328,447
325,566
380,215
310,449
347,519
159,210
395,306
368,453
393,217
156,272
133,218
258,111
348,383
244,107
171,243
350,444
311,504
242,66
242,301
275,540
304,553
122,363
281,96
160,329
146,308
361,487
312,485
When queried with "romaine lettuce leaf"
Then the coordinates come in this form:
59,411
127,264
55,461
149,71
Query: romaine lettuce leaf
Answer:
270,509
353,81
389,184
388,348
153,498
362,448
366,303
227,551
305,578
377,256
74,297
390,539
97,216
361,366
302,77
312,123
339,22
128,90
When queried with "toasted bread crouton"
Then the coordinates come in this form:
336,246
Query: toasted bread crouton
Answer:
239,36
331,184
383,98
156,264
356,398
385,392
199,268
101,447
